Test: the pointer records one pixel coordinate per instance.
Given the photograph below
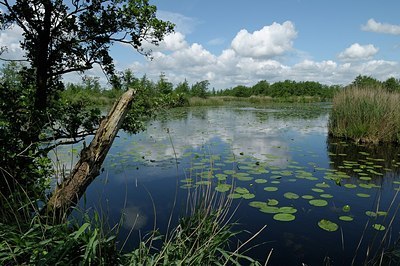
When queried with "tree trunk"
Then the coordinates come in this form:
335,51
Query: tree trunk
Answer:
68,193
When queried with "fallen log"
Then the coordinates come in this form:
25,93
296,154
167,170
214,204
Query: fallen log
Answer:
67,194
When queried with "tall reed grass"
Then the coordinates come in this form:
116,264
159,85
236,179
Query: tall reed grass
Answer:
366,115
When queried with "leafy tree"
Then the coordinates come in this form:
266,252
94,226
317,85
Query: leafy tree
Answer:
366,82
392,85
183,87
163,85
61,37
200,89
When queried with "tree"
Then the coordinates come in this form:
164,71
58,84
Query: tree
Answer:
392,85
61,37
164,86
200,89
183,87
366,82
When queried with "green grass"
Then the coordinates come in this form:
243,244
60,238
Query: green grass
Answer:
366,115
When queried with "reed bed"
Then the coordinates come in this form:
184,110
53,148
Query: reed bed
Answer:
366,115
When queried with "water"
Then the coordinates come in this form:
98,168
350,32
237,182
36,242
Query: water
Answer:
285,148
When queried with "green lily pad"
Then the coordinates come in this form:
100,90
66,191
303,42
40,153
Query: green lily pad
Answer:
291,195
221,177
203,183
381,213
326,196
242,190
371,214
328,225
346,218
349,186
363,195
378,227
235,196
307,197
322,185
272,202
270,189
248,196
368,186
269,209
318,202
257,204
223,188
287,210
260,181
318,190
346,208
284,217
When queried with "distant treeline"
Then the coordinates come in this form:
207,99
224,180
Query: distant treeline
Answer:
164,91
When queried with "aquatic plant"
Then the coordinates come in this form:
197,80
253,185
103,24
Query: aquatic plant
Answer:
366,115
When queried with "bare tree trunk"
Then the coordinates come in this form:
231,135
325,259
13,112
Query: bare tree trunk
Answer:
68,193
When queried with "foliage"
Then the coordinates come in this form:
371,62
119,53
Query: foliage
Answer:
366,115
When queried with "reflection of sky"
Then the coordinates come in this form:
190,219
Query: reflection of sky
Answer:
253,132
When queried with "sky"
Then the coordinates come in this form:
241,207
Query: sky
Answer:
233,42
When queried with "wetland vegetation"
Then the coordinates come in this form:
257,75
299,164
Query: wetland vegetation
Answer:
193,185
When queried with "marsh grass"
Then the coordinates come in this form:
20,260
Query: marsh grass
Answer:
366,115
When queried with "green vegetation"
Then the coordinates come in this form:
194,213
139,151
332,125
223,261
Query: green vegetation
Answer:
367,114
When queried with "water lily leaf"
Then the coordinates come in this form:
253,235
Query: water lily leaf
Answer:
270,189
235,196
322,185
257,204
242,190
248,196
349,185
307,197
346,208
326,196
378,227
363,195
318,190
270,209
287,210
272,202
346,218
371,214
260,181
284,217
328,225
203,183
291,195
318,202
381,213
221,177
368,186
223,187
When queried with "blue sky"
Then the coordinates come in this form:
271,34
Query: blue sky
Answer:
234,43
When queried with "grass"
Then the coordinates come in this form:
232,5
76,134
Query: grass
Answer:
223,100
366,115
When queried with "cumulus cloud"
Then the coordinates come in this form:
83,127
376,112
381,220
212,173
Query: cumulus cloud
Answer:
182,23
172,42
379,27
270,41
10,38
357,51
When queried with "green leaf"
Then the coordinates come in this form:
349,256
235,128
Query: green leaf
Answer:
284,217
328,225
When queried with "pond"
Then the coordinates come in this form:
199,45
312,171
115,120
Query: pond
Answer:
320,198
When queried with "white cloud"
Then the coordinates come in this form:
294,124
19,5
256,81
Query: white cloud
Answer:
182,23
357,51
216,41
378,27
270,41
10,38
172,42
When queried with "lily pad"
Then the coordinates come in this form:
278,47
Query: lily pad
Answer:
223,188
378,227
349,186
270,189
260,181
287,210
248,196
242,190
363,195
235,196
307,197
346,218
326,196
322,185
346,208
284,217
269,209
318,202
257,204
291,195
328,225
371,214
318,190
272,202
